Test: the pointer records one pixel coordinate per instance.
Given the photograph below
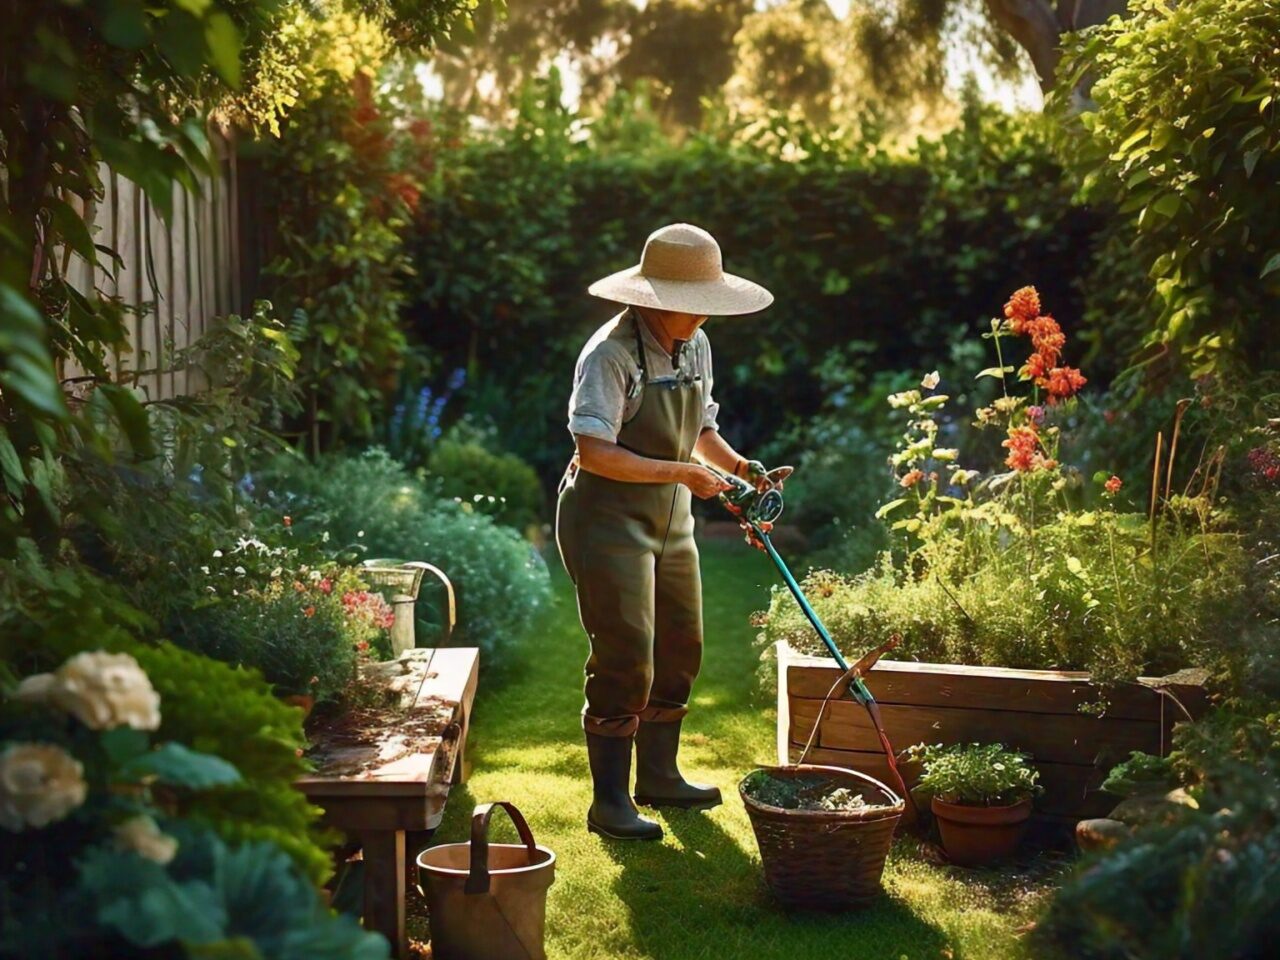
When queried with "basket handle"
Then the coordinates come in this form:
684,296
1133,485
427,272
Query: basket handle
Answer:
478,878
841,684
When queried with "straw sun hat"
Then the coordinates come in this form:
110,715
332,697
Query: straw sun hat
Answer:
680,270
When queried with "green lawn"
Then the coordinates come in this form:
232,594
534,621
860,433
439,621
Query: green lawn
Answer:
700,893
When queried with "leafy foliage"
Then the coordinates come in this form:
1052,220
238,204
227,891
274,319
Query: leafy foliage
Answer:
372,507
500,485
855,244
1164,891
975,774
108,856
1185,139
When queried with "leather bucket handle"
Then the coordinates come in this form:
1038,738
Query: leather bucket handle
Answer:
478,878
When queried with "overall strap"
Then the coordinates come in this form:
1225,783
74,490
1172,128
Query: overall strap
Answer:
640,352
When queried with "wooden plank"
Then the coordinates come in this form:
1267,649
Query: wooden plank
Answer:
410,776
354,814
1053,738
384,887
990,688
1071,791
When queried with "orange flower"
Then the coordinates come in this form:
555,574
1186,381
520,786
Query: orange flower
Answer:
1035,368
309,612
911,478
1023,445
1025,454
1113,485
1022,308
1047,338
1063,382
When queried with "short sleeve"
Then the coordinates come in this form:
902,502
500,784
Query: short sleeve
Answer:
599,393
711,410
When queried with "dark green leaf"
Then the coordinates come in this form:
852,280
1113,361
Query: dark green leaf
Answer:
71,228
124,744
223,38
180,766
125,24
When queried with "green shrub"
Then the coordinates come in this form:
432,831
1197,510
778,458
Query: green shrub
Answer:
213,586
975,774
104,860
372,506
48,613
1164,892
1182,138
499,485
895,251
1084,594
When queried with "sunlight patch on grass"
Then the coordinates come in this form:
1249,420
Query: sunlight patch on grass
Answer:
700,893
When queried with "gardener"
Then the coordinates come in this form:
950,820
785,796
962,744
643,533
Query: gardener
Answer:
640,412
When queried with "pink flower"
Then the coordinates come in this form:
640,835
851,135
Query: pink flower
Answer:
1113,485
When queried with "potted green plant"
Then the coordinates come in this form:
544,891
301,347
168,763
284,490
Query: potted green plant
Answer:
981,795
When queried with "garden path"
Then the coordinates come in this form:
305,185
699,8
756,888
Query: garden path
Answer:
700,893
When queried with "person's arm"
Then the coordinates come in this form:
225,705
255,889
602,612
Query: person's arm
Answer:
613,462
714,449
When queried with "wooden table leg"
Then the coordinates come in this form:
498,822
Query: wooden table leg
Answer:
384,871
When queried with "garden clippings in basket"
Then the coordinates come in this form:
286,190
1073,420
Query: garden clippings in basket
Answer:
804,793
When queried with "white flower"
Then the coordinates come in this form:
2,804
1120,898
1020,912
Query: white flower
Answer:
101,690
141,835
217,553
240,570
39,784
930,380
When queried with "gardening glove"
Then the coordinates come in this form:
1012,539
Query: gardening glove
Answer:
762,477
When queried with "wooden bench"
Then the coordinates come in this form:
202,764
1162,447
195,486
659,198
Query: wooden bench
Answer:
377,793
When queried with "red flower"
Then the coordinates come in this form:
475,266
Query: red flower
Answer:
325,585
362,646
1113,485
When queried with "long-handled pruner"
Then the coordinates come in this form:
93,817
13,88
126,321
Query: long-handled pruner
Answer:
756,515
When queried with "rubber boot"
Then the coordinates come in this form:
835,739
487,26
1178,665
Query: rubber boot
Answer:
612,813
658,779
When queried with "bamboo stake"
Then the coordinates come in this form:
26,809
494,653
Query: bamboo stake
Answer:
1155,489
1173,444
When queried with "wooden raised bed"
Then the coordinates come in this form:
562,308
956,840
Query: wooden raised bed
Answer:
1037,711
379,784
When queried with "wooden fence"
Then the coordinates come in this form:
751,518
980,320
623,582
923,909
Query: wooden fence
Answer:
175,278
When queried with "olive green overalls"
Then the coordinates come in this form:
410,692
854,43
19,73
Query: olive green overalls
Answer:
629,549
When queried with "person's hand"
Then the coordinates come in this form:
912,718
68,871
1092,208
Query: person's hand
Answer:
704,483
763,478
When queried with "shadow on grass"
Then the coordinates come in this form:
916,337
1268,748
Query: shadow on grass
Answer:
719,906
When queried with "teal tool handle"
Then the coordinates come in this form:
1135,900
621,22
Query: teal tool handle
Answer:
857,689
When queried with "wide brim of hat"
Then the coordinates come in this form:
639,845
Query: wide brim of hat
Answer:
727,297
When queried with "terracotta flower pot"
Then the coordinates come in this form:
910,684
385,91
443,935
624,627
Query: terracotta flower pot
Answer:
977,835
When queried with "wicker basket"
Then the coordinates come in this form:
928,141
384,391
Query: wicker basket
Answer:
825,859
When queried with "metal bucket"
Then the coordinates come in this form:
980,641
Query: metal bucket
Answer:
488,901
